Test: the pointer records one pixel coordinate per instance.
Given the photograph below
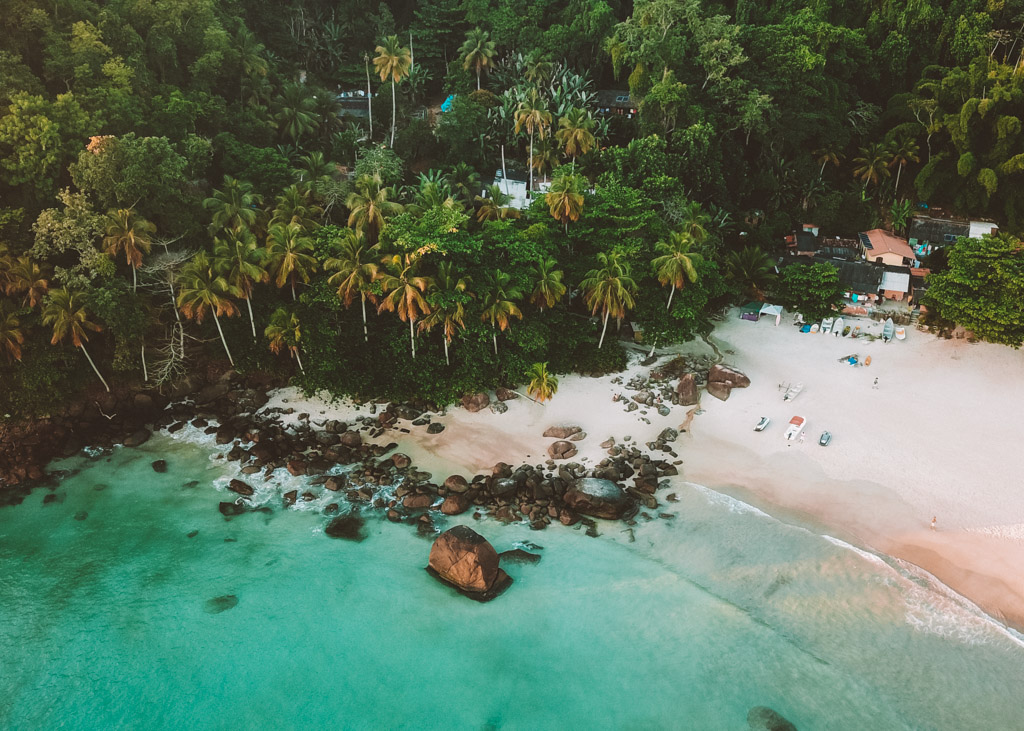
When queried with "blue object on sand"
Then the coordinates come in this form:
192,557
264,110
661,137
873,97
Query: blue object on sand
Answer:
805,329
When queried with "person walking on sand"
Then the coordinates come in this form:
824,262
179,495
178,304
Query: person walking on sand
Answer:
875,384
933,522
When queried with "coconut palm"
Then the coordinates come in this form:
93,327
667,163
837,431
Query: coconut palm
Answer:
355,269
285,330
494,205
576,133
751,270
872,164
565,197
535,119
447,298
477,52
296,112
11,334
23,276
538,69
202,289
404,291
545,156
239,258
904,150
827,155
250,58
693,221
547,283
543,385
464,181
65,310
499,303
313,167
609,289
235,206
393,60
124,231
295,205
369,205
677,263
289,255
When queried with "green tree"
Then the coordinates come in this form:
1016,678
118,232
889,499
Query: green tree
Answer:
499,302
751,271
812,290
239,259
289,255
369,205
404,291
295,205
447,299
901,212
393,60
132,234
285,331
201,289
477,52
983,287
27,278
677,262
236,207
542,384
904,150
609,289
565,197
872,164
66,311
547,283
494,205
531,115
296,112
576,133
355,270
11,334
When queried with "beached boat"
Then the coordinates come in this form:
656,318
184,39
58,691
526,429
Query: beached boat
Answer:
867,361
815,327
826,326
887,330
856,332
846,330
901,333
837,326
792,392
796,426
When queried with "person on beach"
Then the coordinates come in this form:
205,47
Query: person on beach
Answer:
933,522
875,384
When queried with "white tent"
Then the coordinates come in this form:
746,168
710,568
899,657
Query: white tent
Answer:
767,309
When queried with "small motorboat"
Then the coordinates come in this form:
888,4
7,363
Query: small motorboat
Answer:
888,330
796,426
846,330
826,326
837,327
825,438
815,327
762,424
792,392
867,361
856,332
901,333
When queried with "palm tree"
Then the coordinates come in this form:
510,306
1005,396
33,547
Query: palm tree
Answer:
535,119
66,311
289,255
295,205
235,207
447,304
477,52
547,284
403,292
827,155
239,259
750,269
872,165
11,335
250,58
313,167
392,60
356,268
609,288
124,231
565,197
368,205
576,133
296,112
494,206
25,276
284,330
694,221
545,156
677,262
499,303
202,289
538,68
543,386
905,150
464,181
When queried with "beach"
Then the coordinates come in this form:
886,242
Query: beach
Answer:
926,442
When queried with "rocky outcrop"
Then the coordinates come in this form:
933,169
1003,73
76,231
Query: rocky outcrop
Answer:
462,558
562,450
348,527
598,498
456,483
763,718
686,390
722,379
237,486
562,432
455,504
719,390
137,438
505,394
475,401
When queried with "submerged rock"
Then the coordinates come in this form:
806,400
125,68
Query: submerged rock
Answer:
518,555
464,559
137,439
229,510
81,515
220,604
349,527
598,498
159,465
763,718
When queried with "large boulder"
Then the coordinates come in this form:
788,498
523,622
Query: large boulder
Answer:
456,483
240,487
730,376
455,504
464,559
598,498
475,401
562,450
719,390
562,432
686,390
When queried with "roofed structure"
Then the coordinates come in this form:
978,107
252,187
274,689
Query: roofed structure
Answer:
859,277
882,246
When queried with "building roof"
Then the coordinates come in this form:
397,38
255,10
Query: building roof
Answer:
615,99
856,276
895,281
980,228
806,242
935,229
878,241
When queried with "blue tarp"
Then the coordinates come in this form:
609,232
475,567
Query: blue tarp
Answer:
447,106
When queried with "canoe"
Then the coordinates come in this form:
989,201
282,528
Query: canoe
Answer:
867,361
815,327
826,326
901,333
837,326
846,330
888,330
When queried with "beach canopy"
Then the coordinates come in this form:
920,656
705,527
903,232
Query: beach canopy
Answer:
767,309
750,311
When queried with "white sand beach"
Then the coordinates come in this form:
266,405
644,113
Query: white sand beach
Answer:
934,439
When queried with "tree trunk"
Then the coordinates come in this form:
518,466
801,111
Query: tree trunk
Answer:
369,99
412,336
97,370
225,342
670,293
145,370
393,120
494,337
896,190
447,362
603,331
822,171
298,359
504,175
248,303
529,166
293,289
653,346
478,78
135,281
366,333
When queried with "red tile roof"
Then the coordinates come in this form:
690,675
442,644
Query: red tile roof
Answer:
883,242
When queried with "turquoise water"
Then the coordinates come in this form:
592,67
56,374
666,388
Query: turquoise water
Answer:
106,621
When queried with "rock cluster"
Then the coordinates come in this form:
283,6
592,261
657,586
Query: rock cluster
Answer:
464,559
722,379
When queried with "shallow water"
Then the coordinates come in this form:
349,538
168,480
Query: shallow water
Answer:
119,619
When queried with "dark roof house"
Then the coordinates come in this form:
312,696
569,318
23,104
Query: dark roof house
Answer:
612,101
860,277
937,231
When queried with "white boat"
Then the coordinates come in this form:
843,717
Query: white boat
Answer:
792,392
901,333
887,330
796,426
837,326
815,327
826,325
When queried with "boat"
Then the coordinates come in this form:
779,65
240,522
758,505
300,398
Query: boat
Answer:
792,392
846,330
867,361
815,327
826,326
796,426
837,327
856,332
887,330
901,333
